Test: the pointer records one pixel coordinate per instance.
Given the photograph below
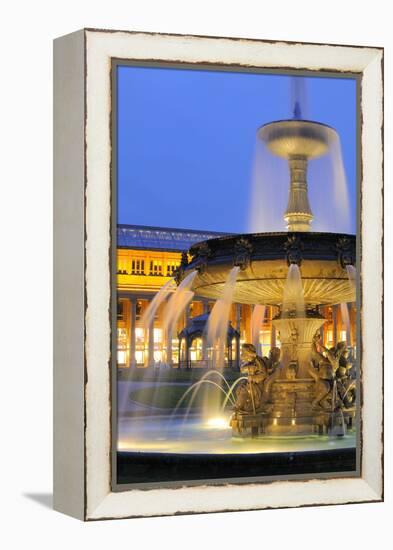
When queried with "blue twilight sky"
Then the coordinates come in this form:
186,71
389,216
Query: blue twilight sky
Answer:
186,141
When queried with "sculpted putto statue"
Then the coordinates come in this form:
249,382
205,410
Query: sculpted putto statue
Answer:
345,383
316,346
251,393
272,362
294,342
330,369
324,385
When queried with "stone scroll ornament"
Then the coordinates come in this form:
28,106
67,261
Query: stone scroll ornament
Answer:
201,252
346,252
182,267
242,253
294,247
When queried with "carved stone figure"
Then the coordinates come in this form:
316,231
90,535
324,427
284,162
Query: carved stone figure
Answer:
316,355
272,362
294,342
346,252
346,385
274,368
324,385
243,250
179,272
293,247
334,386
249,396
201,253
333,355
291,370
253,394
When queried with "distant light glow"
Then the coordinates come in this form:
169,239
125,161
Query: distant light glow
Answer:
217,422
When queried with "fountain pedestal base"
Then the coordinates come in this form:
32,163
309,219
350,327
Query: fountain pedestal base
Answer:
244,424
289,412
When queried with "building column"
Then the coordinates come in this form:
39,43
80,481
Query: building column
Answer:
238,317
180,363
273,313
132,362
188,344
353,319
273,337
247,322
322,329
187,315
349,328
150,352
168,340
149,335
334,318
166,335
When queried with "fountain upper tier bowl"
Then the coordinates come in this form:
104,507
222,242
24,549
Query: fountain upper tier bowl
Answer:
264,258
291,138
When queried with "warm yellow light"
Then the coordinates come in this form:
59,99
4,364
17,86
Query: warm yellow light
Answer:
217,422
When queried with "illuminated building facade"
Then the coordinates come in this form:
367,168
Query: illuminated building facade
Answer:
147,258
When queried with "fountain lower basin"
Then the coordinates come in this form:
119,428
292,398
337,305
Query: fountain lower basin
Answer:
196,435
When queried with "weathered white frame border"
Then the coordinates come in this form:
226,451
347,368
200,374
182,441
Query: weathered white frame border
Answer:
96,500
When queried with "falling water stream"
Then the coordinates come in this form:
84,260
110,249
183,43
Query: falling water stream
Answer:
217,333
267,215
231,389
177,304
298,100
204,382
150,312
199,384
175,300
147,322
351,272
217,326
293,296
341,212
340,187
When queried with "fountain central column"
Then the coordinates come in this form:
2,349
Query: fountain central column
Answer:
296,335
298,215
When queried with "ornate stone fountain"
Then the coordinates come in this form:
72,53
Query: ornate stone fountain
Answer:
309,390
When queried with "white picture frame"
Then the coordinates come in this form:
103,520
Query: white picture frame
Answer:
82,246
